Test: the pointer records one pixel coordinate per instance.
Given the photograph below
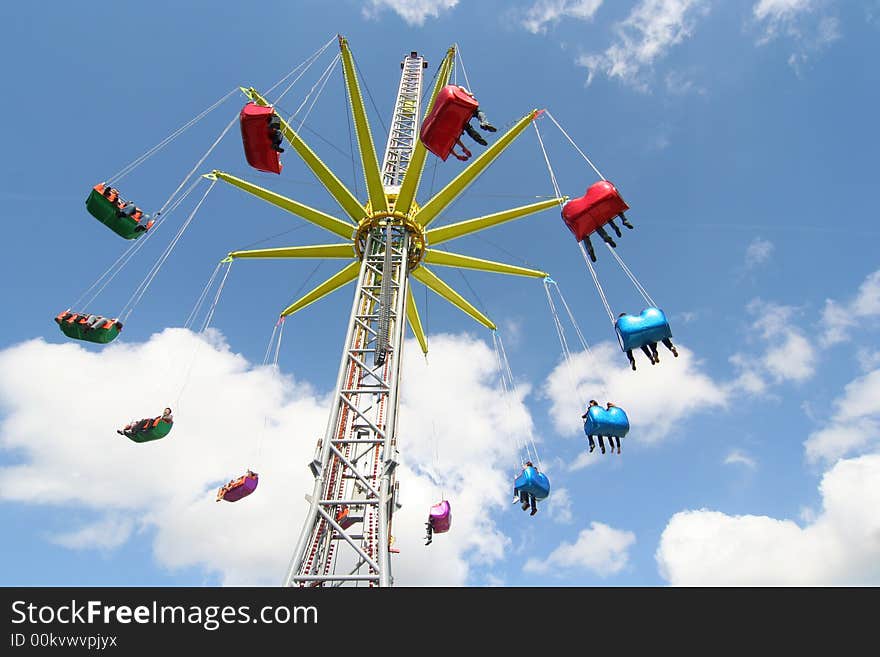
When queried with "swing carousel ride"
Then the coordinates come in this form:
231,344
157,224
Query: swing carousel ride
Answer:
383,239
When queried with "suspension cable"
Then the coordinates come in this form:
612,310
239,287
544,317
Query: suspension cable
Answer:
510,379
207,322
370,94
429,88
213,307
278,330
155,149
598,284
278,345
124,256
324,74
508,386
571,141
566,352
460,61
130,252
142,288
561,332
521,446
311,59
197,308
199,163
632,277
553,180
271,341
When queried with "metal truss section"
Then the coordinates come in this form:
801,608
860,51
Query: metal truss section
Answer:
404,124
346,539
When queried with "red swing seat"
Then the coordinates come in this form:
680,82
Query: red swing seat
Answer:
256,135
443,126
600,204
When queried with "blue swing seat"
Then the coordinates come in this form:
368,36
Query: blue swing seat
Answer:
634,331
606,422
533,482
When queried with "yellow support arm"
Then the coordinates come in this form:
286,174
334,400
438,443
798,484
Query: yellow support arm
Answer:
415,323
325,221
447,259
336,281
413,174
337,190
458,184
317,251
438,286
450,232
369,162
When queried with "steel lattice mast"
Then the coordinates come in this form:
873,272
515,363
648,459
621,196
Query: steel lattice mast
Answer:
346,536
357,460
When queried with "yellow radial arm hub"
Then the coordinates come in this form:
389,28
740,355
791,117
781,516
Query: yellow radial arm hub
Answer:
338,191
437,285
333,283
415,322
322,219
446,259
369,162
458,184
452,231
315,251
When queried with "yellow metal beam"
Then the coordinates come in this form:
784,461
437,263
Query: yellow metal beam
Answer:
336,281
369,162
337,190
457,185
450,232
415,322
446,259
438,286
413,175
322,219
316,251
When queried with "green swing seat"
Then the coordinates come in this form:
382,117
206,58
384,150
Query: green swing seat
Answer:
108,210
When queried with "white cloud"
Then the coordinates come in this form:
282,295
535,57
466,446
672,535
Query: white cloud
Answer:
855,424
801,21
413,12
62,403
777,11
867,358
549,12
740,457
559,506
788,355
600,549
839,318
679,84
656,398
584,460
758,252
839,547
646,35
108,533
792,359
807,514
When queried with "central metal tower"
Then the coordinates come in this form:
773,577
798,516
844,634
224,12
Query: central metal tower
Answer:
346,537
347,534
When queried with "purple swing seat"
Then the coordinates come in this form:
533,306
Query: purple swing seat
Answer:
245,488
440,517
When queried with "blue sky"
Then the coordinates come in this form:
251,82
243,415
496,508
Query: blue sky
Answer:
743,136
